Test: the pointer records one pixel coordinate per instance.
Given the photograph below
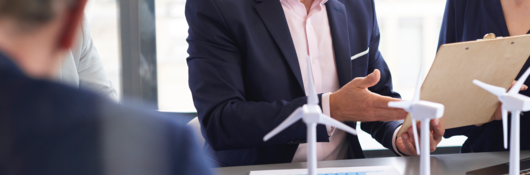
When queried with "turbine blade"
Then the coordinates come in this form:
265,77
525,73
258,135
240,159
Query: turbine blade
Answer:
324,119
498,91
517,86
416,97
505,127
312,97
415,131
295,116
400,104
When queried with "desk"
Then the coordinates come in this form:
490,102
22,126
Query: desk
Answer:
446,164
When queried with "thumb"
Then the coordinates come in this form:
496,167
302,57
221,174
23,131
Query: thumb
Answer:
369,81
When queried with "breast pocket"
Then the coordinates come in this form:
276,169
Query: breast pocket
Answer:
360,58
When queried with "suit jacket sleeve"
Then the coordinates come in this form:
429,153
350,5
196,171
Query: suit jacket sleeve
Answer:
381,131
465,130
216,80
92,75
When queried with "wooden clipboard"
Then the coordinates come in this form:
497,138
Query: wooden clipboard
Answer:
449,81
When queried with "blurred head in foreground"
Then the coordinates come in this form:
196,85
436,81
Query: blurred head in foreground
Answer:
36,33
49,128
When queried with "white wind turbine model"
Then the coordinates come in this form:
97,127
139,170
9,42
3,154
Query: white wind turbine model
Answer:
424,111
312,115
515,103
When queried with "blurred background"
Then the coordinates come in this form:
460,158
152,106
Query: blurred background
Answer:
409,35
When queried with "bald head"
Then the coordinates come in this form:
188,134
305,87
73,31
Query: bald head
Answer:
36,33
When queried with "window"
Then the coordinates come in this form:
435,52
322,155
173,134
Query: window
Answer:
102,16
172,30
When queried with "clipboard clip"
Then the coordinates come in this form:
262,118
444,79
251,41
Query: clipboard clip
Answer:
489,36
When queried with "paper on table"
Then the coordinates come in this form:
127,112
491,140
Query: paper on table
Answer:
367,170
450,79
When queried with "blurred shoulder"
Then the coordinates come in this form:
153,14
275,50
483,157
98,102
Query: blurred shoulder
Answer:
165,138
20,88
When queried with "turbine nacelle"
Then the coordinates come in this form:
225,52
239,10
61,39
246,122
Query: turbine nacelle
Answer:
312,114
513,102
427,110
421,109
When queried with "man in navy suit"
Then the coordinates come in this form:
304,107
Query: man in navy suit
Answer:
247,73
50,128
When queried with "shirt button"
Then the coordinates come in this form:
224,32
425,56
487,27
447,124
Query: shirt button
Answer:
314,60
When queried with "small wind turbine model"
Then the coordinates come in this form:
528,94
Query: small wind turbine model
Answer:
312,115
515,103
424,111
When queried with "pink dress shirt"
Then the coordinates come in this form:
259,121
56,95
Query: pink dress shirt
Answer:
312,37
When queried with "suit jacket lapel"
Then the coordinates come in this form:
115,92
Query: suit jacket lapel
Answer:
271,12
338,25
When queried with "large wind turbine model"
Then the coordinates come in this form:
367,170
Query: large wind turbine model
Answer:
312,115
424,111
515,103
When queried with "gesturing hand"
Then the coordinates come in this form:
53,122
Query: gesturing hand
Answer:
406,144
354,102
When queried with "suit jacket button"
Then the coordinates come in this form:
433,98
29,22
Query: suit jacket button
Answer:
290,142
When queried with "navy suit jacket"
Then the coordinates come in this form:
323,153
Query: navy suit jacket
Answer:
49,128
468,20
245,77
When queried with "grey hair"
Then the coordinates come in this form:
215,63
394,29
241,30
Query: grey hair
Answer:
31,13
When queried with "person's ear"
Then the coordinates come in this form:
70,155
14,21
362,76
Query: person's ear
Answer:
74,17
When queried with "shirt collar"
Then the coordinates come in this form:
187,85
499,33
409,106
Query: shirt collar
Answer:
321,2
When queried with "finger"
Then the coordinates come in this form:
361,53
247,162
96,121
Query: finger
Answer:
433,143
380,101
411,134
419,134
412,141
368,81
389,114
523,88
410,148
437,129
419,131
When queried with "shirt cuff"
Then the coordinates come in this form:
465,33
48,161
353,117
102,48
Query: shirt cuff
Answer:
325,110
394,138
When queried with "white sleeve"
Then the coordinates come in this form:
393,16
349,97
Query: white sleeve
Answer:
92,75
394,138
326,110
